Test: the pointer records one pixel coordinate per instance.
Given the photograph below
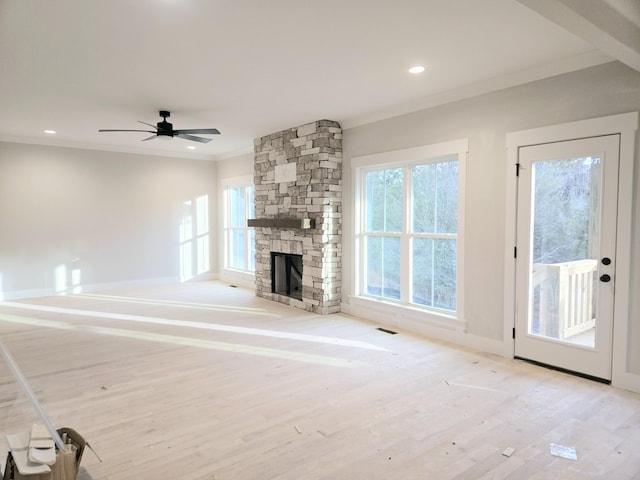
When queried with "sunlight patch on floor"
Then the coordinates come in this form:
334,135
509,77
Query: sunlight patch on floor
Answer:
228,347
175,303
199,325
36,322
188,342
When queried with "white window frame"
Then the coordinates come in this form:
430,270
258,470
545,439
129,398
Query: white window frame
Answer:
408,158
228,230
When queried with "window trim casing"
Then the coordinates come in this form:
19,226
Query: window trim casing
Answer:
406,158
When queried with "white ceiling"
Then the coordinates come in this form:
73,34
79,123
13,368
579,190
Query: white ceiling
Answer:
254,67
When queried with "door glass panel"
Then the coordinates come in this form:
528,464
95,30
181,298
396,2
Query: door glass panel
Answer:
565,234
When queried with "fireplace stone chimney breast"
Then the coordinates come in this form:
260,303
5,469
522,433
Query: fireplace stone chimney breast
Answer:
301,215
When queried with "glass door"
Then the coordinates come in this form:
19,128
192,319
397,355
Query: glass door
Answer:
567,204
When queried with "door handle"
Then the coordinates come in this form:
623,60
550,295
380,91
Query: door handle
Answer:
605,278
606,261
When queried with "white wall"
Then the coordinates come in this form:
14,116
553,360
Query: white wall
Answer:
239,166
485,120
114,216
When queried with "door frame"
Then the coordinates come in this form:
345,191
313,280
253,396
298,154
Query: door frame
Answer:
625,125
594,360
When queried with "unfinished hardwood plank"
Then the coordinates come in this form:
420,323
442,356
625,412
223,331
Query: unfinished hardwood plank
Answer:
274,397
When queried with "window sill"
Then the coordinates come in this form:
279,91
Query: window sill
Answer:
392,313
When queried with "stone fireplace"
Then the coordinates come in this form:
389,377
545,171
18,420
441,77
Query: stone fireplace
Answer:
298,209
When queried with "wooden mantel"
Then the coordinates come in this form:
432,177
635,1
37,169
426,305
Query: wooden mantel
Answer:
299,223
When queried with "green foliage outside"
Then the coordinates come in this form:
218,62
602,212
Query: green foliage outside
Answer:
566,227
565,211
433,208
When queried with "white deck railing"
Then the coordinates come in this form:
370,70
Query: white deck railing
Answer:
566,304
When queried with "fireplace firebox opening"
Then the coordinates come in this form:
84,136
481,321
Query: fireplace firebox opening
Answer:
286,274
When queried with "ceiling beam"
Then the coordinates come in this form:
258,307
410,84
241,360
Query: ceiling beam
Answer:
610,26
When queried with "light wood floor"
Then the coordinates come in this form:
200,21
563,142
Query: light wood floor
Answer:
266,391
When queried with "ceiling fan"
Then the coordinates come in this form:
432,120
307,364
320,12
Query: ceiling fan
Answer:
165,129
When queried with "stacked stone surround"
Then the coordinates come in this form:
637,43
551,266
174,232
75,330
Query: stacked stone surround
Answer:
316,193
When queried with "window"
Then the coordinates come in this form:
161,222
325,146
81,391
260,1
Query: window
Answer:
239,240
409,238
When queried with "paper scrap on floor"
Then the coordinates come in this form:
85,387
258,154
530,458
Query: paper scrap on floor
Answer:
508,451
563,451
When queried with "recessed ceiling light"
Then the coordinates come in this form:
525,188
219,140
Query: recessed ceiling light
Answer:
191,147
50,132
416,69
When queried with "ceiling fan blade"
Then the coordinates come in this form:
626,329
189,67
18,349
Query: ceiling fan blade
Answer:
208,131
149,138
191,137
111,130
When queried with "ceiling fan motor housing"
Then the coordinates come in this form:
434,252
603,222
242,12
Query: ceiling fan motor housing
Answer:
165,129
